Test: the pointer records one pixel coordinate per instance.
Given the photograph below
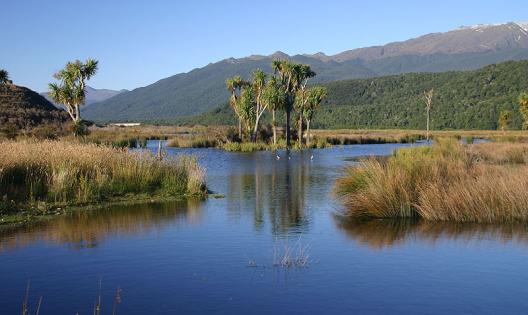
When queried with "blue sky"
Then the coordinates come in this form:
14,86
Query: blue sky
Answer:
140,42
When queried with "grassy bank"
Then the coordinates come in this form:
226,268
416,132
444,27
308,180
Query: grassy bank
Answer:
226,138
39,175
449,181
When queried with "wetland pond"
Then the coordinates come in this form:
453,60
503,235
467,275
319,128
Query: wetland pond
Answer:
230,255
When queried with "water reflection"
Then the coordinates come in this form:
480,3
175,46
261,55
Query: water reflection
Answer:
379,234
86,229
275,191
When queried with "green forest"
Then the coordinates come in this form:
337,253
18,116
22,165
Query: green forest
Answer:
462,100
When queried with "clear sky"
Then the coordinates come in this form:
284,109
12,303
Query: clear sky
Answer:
140,42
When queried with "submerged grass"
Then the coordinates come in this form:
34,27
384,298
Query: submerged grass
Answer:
41,173
449,181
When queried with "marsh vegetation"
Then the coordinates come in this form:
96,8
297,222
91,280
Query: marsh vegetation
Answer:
448,181
41,174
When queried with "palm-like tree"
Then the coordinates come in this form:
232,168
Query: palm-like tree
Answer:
246,108
428,95
235,85
284,69
259,84
304,73
315,97
70,91
273,98
4,76
293,77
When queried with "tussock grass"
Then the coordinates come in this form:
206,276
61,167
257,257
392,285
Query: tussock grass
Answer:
193,142
446,182
246,146
60,172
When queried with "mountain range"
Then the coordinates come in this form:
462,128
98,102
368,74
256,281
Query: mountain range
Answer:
202,89
92,95
471,99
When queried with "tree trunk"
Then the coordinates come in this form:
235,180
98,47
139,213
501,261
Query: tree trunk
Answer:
300,135
274,126
288,112
308,135
427,132
77,113
240,129
69,109
255,131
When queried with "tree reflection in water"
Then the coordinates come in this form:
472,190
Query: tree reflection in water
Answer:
275,192
383,233
84,229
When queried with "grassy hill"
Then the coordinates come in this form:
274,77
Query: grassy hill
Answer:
462,100
24,108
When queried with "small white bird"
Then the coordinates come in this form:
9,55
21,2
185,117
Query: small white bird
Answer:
289,157
311,157
278,157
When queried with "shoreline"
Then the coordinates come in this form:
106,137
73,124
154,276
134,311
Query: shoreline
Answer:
27,217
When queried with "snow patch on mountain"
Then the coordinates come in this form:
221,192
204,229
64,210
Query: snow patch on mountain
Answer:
482,27
523,25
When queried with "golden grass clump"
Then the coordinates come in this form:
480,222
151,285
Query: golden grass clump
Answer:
193,142
446,182
63,172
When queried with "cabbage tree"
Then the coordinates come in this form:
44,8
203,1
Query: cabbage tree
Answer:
235,85
292,77
4,76
70,91
314,97
273,97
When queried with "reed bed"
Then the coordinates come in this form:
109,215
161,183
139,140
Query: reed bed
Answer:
60,172
193,142
449,181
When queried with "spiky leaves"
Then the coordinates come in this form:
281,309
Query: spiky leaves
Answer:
70,91
273,97
4,76
234,85
246,106
314,98
293,77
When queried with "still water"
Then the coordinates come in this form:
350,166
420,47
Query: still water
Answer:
220,255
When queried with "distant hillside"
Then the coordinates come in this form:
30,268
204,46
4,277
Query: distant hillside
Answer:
93,95
26,108
466,39
462,100
203,89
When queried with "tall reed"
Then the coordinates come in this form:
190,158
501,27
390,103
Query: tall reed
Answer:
447,182
62,172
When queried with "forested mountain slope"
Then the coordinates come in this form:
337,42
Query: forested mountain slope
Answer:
203,89
462,100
